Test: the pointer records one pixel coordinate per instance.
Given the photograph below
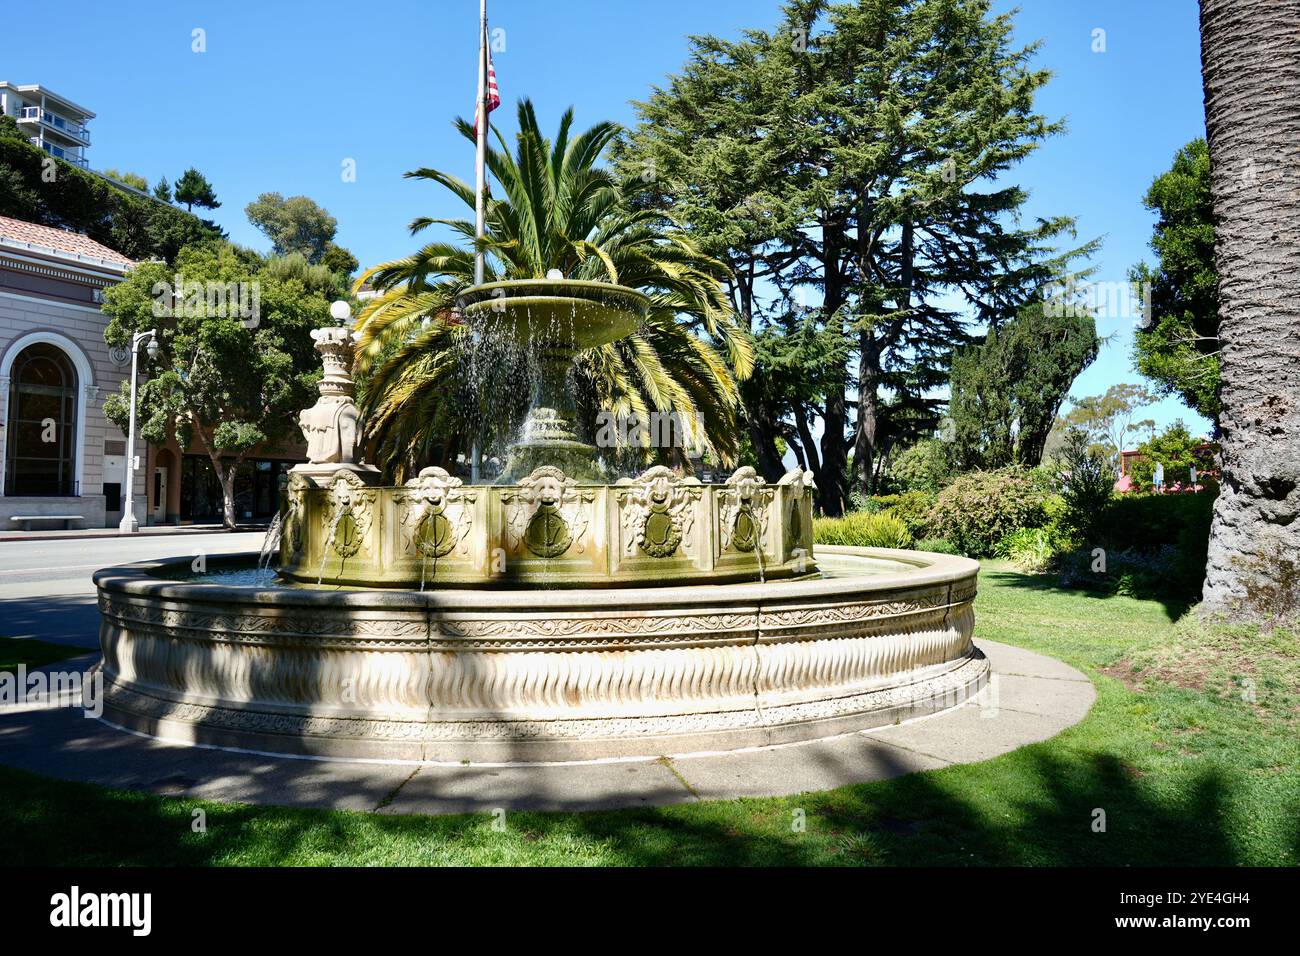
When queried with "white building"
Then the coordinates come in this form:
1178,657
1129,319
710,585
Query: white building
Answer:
61,455
52,122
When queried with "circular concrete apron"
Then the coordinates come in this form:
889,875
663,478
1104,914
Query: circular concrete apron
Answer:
1029,698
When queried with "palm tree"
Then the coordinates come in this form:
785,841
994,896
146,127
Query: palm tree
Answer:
423,379
1250,57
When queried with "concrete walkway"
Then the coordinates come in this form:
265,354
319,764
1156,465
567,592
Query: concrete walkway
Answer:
1031,698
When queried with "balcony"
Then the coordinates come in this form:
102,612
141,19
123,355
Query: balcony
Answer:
67,155
74,131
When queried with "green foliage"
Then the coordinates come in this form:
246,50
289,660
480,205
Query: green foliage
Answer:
856,159
1007,389
861,529
221,382
1179,349
134,180
163,190
936,545
296,224
561,211
1030,549
926,466
1175,448
911,507
980,508
193,189
137,227
1087,482
1152,546
1108,420
339,260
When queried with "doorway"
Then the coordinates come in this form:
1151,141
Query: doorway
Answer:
160,494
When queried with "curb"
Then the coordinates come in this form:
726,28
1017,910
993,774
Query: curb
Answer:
92,533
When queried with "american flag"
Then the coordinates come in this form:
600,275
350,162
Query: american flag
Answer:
493,94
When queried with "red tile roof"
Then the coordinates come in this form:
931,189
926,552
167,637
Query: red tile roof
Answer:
59,240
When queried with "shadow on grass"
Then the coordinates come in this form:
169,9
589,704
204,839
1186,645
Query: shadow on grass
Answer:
1032,807
1050,583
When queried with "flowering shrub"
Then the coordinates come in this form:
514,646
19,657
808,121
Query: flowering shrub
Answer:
979,509
860,529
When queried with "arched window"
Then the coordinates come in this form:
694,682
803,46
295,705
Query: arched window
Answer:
41,434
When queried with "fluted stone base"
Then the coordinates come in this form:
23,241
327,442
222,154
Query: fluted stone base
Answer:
528,675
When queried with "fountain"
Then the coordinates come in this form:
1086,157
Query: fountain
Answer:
552,615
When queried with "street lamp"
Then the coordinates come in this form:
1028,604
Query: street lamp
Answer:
128,524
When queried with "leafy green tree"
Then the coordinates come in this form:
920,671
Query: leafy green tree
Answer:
1179,348
560,212
854,159
1177,449
224,380
339,260
163,190
295,224
1109,419
193,189
134,180
926,466
1007,389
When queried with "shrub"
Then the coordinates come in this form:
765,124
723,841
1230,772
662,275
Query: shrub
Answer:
979,509
926,466
1030,549
911,507
1151,546
1088,483
861,529
937,545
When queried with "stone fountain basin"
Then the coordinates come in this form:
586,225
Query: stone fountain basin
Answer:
527,675
564,312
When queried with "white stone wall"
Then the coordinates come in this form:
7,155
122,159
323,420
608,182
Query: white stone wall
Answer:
21,315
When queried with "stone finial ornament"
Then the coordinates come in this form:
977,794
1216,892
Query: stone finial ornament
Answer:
332,426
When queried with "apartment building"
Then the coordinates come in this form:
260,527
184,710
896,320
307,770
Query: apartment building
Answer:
54,123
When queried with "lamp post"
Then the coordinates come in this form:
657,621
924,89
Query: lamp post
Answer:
128,524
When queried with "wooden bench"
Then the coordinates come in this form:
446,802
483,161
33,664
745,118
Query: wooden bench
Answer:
26,520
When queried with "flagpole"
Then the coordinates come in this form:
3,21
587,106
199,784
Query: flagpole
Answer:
480,177
480,160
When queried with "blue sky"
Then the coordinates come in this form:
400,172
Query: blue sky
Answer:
286,92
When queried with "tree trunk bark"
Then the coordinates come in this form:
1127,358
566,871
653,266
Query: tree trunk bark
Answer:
227,476
864,441
831,491
1250,59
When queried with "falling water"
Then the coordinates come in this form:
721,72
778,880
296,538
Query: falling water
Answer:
329,542
270,543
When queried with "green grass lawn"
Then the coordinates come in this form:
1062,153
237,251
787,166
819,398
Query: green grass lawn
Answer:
1192,751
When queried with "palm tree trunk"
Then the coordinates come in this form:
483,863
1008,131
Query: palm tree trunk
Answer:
1250,58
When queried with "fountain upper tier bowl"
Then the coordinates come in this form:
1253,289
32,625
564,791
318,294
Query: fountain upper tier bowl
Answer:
564,312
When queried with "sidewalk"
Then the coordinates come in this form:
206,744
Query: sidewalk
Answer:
60,534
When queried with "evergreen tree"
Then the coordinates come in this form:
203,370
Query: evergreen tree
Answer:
1179,349
1007,389
844,165
193,189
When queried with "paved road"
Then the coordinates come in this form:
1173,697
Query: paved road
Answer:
45,586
